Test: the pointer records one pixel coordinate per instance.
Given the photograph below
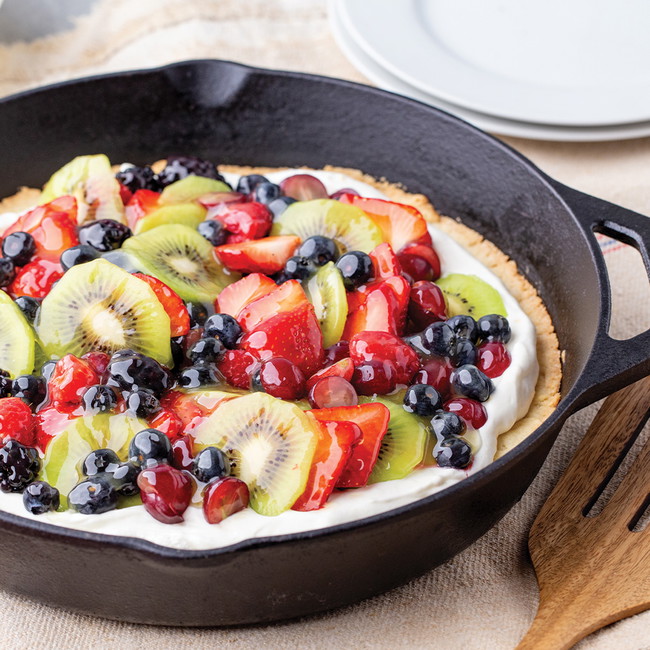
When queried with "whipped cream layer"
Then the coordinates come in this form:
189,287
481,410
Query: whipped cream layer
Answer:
514,391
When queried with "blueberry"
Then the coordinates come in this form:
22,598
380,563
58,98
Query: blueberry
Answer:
98,461
247,184
447,424
356,269
210,463
416,341
320,250
225,328
463,352
453,452
494,328
93,496
213,231
29,306
99,399
40,497
124,479
129,371
77,255
122,259
469,381
464,327
19,466
150,447
104,234
199,375
207,350
422,399
298,268
138,178
266,192
30,388
19,247
438,338
47,369
178,167
178,355
142,402
279,205
198,314
7,272
5,384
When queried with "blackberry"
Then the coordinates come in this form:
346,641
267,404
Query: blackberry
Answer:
93,496
77,255
19,247
320,250
150,447
142,402
138,178
213,231
129,371
40,497
19,466
207,350
7,272
104,234
29,306
247,184
453,452
99,461
422,399
99,399
494,328
225,328
356,269
30,388
178,167
469,381
210,463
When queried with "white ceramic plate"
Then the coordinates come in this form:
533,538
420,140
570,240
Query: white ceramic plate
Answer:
387,81
559,62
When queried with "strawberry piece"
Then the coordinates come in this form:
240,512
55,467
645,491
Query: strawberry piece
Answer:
342,368
294,335
70,380
183,450
384,262
399,223
285,298
167,422
372,419
268,255
50,422
191,408
17,422
140,205
248,221
172,303
166,492
471,411
224,497
382,346
333,451
420,262
241,293
125,194
238,368
493,358
35,279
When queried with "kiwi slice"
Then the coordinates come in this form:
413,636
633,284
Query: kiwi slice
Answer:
190,189
402,448
66,452
270,444
326,292
188,214
17,341
98,306
349,226
182,259
468,294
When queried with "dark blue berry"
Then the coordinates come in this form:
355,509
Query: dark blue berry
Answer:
7,272
469,381
5,384
93,496
298,268
142,402
463,352
29,306
422,399
199,375
494,328
150,447
453,452
225,328
30,388
19,247
247,184
198,314
40,497
178,355
77,255
138,178
447,424
207,350
124,479
47,369
211,463
279,205
266,192
129,371
213,231
439,339
19,466
98,461
99,399
178,167
320,250
464,327
104,234
356,269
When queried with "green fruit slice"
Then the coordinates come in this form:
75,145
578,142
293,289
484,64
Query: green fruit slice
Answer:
349,226
17,343
191,188
402,448
270,444
469,295
97,306
326,292
188,214
182,259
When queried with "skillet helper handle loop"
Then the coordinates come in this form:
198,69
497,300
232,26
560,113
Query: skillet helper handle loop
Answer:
613,363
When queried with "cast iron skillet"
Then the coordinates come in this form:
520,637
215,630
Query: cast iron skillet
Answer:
234,114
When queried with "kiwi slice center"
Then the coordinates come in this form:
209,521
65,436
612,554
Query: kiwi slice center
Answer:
184,266
105,325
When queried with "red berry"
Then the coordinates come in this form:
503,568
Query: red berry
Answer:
224,497
415,267
168,423
493,358
70,380
303,187
17,422
238,368
380,346
183,449
282,378
435,372
172,303
345,190
125,194
336,352
166,492
248,221
267,255
343,368
410,257
472,412
35,279
426,304
375,376
332,391
98,361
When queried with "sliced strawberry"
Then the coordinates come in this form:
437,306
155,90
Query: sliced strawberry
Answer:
191,408
382,346
168,423
267,255
343,368
384,262
373,420
294,335
248,221
35,279
287,297
410,258
70,380
125,194
241,293
50,422
140,205
172,304
332,454
17,422
238,368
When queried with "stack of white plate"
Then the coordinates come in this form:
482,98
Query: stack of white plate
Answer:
574,70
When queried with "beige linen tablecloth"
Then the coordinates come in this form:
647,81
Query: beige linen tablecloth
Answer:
485,597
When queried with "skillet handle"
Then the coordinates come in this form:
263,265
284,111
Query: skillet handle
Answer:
613,363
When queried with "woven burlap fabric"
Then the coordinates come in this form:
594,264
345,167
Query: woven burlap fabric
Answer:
486,596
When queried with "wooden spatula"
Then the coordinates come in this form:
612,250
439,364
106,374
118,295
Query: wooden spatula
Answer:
593,571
